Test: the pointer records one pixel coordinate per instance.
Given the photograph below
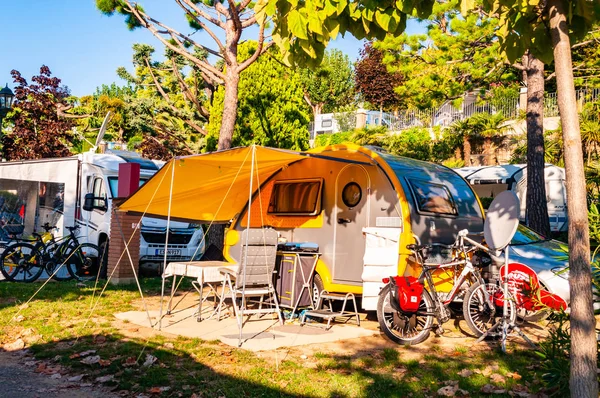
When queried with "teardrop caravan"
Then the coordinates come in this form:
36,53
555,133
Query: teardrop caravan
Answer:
358,205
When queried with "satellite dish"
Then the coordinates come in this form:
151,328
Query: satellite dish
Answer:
502,220
102,131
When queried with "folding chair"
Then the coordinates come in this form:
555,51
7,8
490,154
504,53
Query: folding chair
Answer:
254,276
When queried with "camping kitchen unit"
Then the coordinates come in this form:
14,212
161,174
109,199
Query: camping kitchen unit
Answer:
35,192
359,206
488,181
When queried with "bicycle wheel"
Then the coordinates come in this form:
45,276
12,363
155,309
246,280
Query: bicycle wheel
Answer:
401,328
481,311
82,261
57,270
21,262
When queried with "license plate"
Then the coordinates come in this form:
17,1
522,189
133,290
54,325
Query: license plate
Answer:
170,252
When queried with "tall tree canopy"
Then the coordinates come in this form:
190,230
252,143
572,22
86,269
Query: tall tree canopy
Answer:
224,22
271,108
331,85
457,55
373,81
38,130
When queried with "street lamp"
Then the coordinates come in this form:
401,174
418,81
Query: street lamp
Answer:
6,99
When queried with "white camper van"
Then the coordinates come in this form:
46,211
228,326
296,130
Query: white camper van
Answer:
488,181
52,191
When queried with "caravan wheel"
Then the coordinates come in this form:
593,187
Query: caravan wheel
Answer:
317,288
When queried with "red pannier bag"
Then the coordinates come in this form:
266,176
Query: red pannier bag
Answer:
406,293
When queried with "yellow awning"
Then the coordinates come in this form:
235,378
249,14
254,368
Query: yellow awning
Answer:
207,187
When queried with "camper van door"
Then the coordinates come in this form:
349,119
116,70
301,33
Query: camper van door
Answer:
351,214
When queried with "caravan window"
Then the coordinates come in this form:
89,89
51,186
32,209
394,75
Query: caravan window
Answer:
296,197
432,198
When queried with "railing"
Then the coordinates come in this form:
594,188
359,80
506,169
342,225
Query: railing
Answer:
447,114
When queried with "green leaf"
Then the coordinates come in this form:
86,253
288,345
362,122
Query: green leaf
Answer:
298,24
341,6
330,8
315,24
385,20
307,48
466,6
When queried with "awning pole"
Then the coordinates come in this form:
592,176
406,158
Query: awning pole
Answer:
240,321
162,291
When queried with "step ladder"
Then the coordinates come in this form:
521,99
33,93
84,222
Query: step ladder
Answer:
328,313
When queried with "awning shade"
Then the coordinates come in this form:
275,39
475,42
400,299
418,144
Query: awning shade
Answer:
207,187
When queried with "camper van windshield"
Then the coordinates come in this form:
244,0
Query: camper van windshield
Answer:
432,198
526,236
113,182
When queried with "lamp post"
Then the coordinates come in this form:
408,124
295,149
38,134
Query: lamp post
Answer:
6,99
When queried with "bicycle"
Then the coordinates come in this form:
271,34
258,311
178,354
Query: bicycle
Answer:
479,307
25,262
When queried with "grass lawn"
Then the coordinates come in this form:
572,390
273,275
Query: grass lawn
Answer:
60,329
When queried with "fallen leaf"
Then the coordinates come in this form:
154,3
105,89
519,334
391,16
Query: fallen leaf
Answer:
30,363
465,373
40,368
169,345
86,353
491,389
104,362
56,376
158,390
76,378
24,306
498,379
91,360
448,391
73,356
105,379
26,332
451,383
16,345
150,359
100,339
130,361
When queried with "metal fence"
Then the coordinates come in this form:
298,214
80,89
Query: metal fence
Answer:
510,108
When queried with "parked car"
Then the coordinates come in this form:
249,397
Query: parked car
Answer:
547,257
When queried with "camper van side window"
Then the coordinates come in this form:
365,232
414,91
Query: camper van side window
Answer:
432,198
296,197
98,191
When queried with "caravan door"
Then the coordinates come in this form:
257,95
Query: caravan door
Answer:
351,214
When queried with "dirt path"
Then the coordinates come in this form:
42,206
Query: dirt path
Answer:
21,376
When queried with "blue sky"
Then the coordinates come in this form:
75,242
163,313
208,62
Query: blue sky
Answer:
79,44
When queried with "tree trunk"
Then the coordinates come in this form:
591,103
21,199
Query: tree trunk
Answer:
230,105
536,205
488,151
583,378
467,150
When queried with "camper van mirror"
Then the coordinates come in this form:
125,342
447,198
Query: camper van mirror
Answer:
91,202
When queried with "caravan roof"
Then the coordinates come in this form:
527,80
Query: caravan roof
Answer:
504,174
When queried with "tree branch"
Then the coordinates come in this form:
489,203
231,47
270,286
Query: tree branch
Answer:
201,12
169,103
262,47
181,51
205,28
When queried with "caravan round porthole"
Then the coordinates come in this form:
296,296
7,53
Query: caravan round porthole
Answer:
351,194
